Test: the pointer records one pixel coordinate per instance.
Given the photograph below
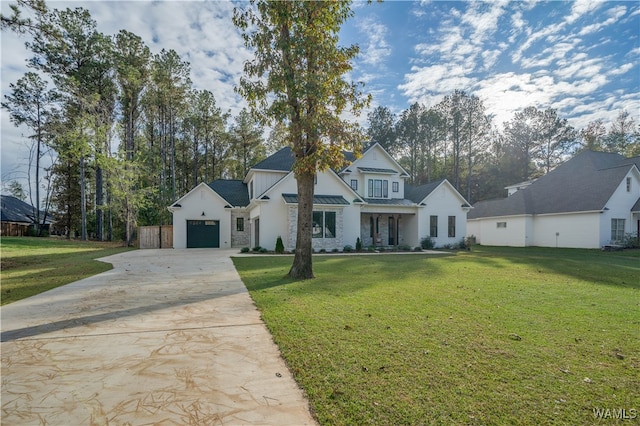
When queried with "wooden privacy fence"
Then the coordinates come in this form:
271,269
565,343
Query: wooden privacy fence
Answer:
153,237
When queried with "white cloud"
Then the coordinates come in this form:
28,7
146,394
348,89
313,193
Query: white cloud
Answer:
582,7
614,16
377,48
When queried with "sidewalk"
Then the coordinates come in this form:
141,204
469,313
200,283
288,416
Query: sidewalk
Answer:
167,337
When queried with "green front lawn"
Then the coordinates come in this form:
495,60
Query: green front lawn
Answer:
493,336
33,265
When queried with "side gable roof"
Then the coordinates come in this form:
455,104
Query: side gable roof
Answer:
584,183
418,194
235,192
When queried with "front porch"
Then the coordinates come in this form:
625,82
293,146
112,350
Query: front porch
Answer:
388,229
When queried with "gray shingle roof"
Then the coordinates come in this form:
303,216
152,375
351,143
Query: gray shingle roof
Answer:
636,206
318,199
584,183
418,193
282,161
235,192
16,210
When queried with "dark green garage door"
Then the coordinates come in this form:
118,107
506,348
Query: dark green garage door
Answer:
203,233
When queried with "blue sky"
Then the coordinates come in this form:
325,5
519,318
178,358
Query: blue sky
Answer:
581,58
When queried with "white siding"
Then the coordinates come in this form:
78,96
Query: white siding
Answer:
578,230
443,202
619,207
262,181
487,232
201,199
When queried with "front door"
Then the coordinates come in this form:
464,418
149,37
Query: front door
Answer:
392,231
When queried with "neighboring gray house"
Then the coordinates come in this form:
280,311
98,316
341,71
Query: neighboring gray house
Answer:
590,201
17,216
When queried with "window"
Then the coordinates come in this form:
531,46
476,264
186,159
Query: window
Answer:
378,188
240,224
617,229
324,224
395,187
501,224
433,226
354,184
251,190
452,226
628,184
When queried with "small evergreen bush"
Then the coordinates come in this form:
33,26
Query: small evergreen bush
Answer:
244,250
279,245
358,244
347,249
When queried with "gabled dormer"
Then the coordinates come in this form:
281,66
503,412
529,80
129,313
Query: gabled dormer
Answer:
376,175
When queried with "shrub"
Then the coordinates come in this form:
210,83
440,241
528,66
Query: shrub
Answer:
244,250
347,249
263,250
630,241
323,250
256,248
279,245
417,248
358,244
462,245
404,248
427,243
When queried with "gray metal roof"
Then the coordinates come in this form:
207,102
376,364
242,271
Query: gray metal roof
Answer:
235,192
389,201
584,183
17,211
318,199
375,170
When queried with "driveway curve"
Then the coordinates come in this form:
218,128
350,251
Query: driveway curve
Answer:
167,337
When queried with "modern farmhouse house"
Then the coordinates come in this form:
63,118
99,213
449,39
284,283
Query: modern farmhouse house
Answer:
367,199
590,201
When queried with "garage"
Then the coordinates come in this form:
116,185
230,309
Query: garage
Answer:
203,234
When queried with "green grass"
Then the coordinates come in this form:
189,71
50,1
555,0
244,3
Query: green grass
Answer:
495,336
33,265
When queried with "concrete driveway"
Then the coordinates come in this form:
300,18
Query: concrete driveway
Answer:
168,337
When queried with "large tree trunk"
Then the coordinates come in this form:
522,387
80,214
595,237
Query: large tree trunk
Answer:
302,267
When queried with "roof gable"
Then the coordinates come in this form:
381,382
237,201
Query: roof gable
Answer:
376,159
419,194
179,201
